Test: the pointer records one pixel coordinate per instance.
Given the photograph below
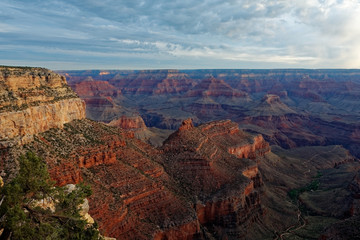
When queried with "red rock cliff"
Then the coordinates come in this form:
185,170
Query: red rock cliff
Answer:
133,197
34,100
225,188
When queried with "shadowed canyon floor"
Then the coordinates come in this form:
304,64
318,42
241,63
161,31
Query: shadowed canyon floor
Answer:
206,181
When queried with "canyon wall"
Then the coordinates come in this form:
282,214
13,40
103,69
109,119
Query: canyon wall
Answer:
211,181
33,100
289,107
212,162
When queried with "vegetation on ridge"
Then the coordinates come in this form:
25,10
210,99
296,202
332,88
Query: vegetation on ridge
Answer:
33,208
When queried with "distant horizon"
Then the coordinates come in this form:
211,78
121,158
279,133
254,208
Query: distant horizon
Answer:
177,69
195,69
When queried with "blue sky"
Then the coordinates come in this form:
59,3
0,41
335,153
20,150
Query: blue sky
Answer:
181,34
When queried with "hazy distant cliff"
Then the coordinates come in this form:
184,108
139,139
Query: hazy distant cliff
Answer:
289,107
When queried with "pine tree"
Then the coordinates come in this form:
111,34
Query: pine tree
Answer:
32,207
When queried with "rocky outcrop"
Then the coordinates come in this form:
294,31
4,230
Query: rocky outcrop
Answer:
135,125
186,125
225,188
22,125
96,88
128,122
33,100
270,105
271,99
191,184
130,187
213,87
257,148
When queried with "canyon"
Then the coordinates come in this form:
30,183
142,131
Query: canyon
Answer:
198,176
289,107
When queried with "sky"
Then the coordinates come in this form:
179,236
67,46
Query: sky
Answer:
180,34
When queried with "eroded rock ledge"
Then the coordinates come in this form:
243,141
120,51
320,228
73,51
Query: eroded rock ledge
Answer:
34,100
217,165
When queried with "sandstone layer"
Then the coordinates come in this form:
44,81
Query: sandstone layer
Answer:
212,163
33,101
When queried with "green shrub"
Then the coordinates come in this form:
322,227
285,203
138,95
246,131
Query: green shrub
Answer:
22,218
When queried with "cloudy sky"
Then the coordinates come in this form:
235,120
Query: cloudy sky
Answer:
182,34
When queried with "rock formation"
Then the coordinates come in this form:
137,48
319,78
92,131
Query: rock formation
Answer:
135,125
318,103
223,183
95,88
101,98
207,181
271,105
130,188
213,87
128,122
33,101
152,82
131,183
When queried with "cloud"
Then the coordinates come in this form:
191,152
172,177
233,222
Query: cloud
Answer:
279,33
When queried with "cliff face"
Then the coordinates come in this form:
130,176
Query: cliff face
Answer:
288,131
214,88
191,188
22,125
152,82
25,87
130,187
224,184
136,189
258,147
33,101
125,122
133,197
95,88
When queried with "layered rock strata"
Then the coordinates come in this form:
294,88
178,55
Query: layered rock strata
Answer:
289,107
203,183
133,197
128,122
224,184
214,88
33,100
136,194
